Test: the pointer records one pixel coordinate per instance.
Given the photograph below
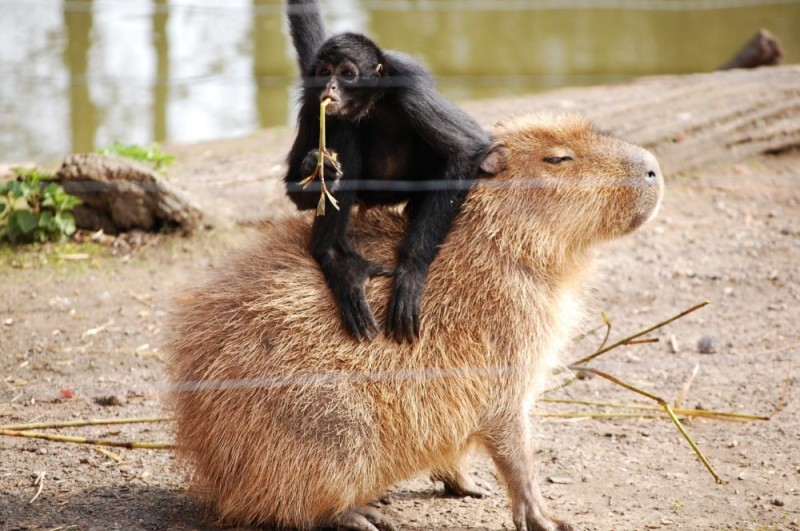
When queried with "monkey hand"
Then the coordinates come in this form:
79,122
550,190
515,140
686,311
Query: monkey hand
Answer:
403,319
347,277
333,169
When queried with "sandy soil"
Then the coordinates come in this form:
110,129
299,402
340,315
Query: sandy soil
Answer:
80,335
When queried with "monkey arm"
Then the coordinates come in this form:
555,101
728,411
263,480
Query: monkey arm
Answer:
454,134
307,29
345,271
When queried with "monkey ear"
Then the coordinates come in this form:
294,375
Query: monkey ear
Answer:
379,70
495,160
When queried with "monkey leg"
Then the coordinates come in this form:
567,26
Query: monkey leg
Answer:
510,443
364,518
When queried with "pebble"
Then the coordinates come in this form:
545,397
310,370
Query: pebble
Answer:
777,502
674,347
8,322
107,401
708,345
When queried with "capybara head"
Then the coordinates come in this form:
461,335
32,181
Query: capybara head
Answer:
588,185
286,420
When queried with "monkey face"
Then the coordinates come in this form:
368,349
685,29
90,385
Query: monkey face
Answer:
335,81
351,94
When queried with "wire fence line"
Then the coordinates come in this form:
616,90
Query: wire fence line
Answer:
378,185
260,8
21,76
340,377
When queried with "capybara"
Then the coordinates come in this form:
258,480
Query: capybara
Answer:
287,422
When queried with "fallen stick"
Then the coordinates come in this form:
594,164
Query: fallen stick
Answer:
718,415
81,423
627,340
40,482
83,440
663,403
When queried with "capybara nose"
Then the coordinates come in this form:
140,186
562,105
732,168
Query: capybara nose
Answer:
652,171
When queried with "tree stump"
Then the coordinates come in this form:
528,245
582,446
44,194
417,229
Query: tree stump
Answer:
121,195
764,49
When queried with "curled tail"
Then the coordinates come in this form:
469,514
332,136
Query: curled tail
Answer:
307,29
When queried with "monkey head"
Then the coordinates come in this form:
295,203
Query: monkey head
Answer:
347,69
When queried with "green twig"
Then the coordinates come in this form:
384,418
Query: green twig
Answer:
319,170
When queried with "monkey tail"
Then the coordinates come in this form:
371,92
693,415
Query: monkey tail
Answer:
307,29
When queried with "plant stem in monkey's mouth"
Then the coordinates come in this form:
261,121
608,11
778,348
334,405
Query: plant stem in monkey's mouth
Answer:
319,171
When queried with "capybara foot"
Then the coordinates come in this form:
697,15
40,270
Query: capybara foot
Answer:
542,523
364,519
459,484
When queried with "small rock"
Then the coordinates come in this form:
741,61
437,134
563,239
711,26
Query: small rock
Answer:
43,451
107,401
674,347
708,345
777,503
560,480
8,322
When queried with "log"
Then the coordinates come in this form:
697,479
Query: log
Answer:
764,49
119,195
688,121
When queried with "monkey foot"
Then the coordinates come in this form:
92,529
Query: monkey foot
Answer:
364,519
459,484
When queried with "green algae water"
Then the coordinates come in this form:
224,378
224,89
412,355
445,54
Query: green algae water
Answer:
81,74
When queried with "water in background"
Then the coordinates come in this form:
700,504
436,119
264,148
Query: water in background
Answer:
76,74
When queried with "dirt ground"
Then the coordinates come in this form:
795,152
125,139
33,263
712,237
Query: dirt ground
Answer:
81,327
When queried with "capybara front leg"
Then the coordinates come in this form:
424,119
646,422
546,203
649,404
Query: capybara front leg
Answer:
510,444
364,518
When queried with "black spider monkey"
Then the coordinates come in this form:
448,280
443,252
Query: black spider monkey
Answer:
386,122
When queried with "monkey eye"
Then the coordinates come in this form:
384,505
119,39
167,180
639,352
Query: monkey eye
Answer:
557,160
324,71
349,75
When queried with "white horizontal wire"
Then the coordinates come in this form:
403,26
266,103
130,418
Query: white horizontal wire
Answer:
374,185
332,378
405,6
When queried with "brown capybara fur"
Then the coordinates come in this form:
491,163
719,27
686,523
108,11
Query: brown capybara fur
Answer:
287,421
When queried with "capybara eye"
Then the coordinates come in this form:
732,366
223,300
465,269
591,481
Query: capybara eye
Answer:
557,160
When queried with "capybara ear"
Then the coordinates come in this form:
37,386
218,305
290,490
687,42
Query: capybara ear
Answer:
495,160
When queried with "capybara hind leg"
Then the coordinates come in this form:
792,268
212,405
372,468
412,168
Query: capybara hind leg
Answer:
510,444
458,483
364,519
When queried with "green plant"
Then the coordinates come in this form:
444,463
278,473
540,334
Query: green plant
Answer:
32,210
152,154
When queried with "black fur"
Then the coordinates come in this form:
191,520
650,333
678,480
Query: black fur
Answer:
308,32
399,129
